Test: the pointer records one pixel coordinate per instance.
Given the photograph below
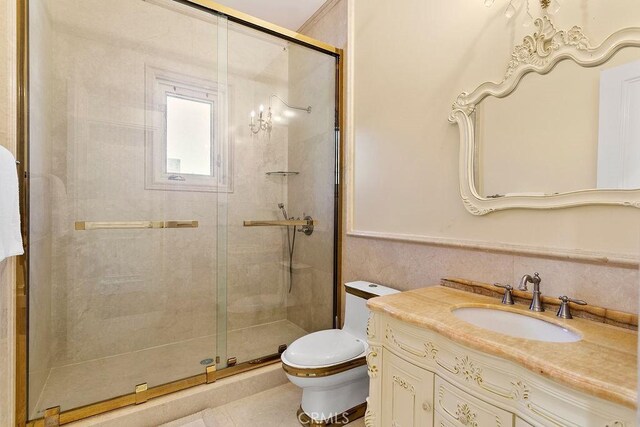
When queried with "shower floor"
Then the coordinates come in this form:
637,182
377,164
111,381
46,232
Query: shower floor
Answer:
88,382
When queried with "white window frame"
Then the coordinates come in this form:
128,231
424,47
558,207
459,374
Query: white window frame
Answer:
159,85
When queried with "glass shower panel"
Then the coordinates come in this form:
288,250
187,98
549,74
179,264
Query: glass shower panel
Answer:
280,280
313,152
124,228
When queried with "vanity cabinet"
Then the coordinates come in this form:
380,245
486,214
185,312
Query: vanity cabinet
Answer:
407,394
421,378
458,407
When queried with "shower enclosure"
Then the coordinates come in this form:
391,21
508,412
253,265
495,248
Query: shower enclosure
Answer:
183,197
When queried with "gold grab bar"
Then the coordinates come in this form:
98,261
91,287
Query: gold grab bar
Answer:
282,223
126,225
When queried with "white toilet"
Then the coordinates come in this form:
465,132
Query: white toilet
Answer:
330,365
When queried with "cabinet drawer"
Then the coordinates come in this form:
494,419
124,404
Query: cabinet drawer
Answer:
521,423
440,421
461,409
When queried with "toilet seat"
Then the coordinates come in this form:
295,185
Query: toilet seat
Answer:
324,353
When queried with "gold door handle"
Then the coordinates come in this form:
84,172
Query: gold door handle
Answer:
130,225
282,223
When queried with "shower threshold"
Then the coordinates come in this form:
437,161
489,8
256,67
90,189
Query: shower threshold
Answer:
72,386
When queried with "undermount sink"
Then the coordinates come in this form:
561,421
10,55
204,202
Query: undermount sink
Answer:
515,324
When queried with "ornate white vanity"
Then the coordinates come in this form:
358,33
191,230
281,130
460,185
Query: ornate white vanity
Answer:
428,368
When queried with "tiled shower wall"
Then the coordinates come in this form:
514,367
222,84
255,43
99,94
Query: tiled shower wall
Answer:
120,291
40,221
256,283
312,154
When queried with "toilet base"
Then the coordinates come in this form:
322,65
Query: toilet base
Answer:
346,417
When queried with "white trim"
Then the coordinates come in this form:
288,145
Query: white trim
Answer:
155,145
575,255
538,53
317,15
350,133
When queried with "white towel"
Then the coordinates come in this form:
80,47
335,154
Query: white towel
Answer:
10,236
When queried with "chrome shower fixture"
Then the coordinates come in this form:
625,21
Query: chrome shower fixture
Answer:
284,211
291,238
307,109
264,121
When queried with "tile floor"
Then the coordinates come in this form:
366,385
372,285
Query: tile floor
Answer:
95,380
272,408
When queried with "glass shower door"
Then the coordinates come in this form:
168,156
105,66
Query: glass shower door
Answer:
128,155
183,198
279,280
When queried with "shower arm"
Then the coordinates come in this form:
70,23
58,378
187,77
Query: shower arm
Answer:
307,109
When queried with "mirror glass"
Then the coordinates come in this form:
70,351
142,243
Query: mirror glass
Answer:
572,129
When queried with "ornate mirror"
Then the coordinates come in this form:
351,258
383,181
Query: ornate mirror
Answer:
565,138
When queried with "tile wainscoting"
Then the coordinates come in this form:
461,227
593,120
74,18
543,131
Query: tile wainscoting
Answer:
412,265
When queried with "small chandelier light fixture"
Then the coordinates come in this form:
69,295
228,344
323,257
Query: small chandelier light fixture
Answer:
550,6
264,121
262,124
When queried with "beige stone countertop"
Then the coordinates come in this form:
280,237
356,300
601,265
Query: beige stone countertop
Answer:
603,363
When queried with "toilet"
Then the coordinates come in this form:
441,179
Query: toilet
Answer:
330,365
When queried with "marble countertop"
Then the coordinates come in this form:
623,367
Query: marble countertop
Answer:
603,363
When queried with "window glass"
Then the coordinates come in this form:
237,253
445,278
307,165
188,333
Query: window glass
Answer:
189,136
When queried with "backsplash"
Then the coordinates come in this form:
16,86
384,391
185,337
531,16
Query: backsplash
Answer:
551,303
406,266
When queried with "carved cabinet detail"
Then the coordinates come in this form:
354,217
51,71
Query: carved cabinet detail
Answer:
420,378
407,393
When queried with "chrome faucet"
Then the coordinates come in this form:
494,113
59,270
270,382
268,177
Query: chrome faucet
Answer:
536,303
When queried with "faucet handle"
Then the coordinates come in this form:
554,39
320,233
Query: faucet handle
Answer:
507,298
564,312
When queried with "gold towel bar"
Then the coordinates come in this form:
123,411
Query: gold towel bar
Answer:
124,225
281,223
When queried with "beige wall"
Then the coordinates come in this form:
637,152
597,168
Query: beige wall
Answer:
554,113
410,62
7,267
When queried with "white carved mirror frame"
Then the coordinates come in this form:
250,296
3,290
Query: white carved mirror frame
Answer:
538,53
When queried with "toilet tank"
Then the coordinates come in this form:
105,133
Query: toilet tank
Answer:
356,311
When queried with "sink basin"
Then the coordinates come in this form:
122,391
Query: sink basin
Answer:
515,324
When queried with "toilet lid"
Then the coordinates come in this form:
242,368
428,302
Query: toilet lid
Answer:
324,348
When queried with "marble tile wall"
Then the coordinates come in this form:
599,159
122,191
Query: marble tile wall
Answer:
40,221
311,150
256,286
406,266
119,291
312,154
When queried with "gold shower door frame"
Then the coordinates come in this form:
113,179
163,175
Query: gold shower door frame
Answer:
141,393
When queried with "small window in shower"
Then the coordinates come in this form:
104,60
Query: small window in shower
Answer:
188,148
189,142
